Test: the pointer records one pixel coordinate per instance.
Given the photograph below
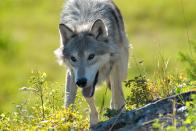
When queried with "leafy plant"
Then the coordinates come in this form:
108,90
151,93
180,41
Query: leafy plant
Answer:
191,116
139,91
109,113
38,84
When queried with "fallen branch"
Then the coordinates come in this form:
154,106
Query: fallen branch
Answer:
142,117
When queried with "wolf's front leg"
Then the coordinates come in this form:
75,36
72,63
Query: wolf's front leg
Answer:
70,91
118,100
93,112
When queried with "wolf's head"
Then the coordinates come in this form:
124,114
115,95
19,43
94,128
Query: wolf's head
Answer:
85,53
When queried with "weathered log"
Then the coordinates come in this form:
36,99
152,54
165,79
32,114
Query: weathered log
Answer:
140,119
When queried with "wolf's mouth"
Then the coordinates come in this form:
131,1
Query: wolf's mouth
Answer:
89,91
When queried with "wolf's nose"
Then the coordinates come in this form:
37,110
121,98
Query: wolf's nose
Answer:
81,82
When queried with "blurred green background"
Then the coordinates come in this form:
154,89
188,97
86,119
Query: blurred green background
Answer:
29,35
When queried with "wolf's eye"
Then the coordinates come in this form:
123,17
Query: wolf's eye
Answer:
73,59
91,56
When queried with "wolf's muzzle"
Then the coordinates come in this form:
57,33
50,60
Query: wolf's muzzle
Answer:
81,82
89,91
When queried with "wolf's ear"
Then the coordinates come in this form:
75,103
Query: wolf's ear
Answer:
65,32
99,30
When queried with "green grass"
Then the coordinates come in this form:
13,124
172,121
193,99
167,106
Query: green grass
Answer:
45,110
155,28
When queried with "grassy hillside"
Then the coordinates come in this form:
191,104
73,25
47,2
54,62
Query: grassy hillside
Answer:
29,34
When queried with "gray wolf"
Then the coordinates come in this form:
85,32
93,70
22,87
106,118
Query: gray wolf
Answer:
94,47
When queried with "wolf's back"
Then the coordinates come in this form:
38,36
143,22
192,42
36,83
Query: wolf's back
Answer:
82,11
80,14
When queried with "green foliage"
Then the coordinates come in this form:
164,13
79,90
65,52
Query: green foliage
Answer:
188,124
184,85
163,80
38,84
63,119
42,112
190,59
191,117
109,113
142,90
139,92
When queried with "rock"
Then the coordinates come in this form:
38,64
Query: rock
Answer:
141,119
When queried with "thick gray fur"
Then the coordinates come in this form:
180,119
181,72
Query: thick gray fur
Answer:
77,32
